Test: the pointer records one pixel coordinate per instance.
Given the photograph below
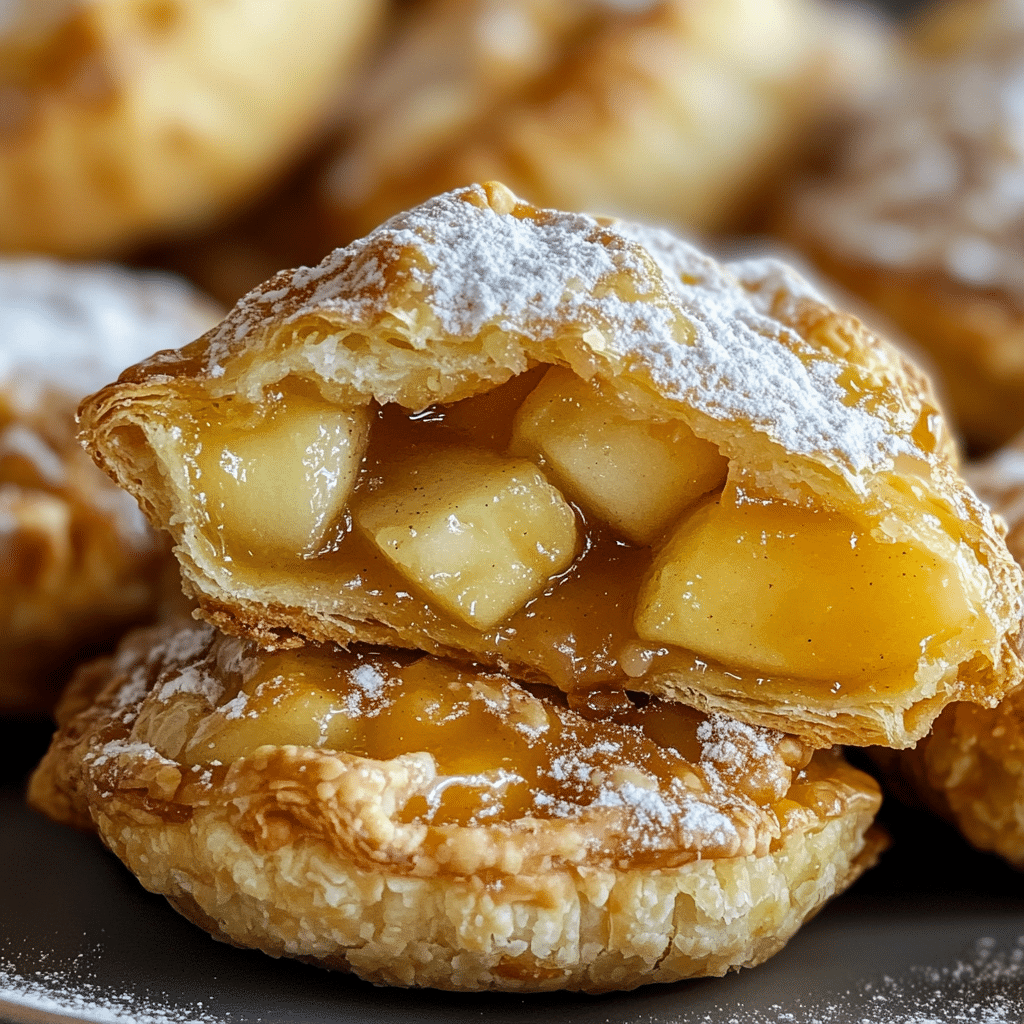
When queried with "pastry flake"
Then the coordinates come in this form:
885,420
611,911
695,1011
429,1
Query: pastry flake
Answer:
457,327
418,823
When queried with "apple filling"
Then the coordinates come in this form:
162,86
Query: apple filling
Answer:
550,527
501,752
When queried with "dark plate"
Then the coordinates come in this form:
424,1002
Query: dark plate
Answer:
934,935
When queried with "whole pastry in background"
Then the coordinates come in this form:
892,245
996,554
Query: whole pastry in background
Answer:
666,110
121,122
578,450
970,769
923,214
420,823
78,563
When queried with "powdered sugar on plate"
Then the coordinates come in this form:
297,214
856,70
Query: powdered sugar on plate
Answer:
62,992
986,988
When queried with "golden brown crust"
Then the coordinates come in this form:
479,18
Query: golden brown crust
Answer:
971,336
804,400
310,853
124,121
675,112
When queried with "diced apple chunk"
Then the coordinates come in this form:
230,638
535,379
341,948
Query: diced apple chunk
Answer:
479,533
277,487
793,591
635,475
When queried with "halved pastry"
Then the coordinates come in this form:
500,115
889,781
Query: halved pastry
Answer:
922,216
124,121
78,562
580,450
970,768
684,111
417,823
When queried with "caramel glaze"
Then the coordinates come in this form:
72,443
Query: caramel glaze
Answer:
577,633
502,751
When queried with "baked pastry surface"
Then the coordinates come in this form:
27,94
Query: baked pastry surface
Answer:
583,451
970,768
922,216
78,562
394,815
124,121
677,111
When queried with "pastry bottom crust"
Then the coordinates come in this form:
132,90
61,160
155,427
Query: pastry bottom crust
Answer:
315,854
574,928
577,929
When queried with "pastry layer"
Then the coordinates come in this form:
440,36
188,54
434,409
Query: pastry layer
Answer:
582,450
970,768
397,816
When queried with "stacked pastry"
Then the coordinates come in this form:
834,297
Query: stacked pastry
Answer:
923,214
78,563
544,561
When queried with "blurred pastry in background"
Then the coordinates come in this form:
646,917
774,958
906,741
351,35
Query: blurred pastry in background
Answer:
948,27
78,563
121,122
922,215
418,822
970,769
680,111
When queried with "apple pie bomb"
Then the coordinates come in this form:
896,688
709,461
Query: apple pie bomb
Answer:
551,558
78,562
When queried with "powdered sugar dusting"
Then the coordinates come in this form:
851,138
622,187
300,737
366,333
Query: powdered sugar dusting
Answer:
365,697
711,335
985,988
60,992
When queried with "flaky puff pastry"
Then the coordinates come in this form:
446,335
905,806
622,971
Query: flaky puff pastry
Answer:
125,121
970,768
78,562
922,216
672,110
392,815
584,451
